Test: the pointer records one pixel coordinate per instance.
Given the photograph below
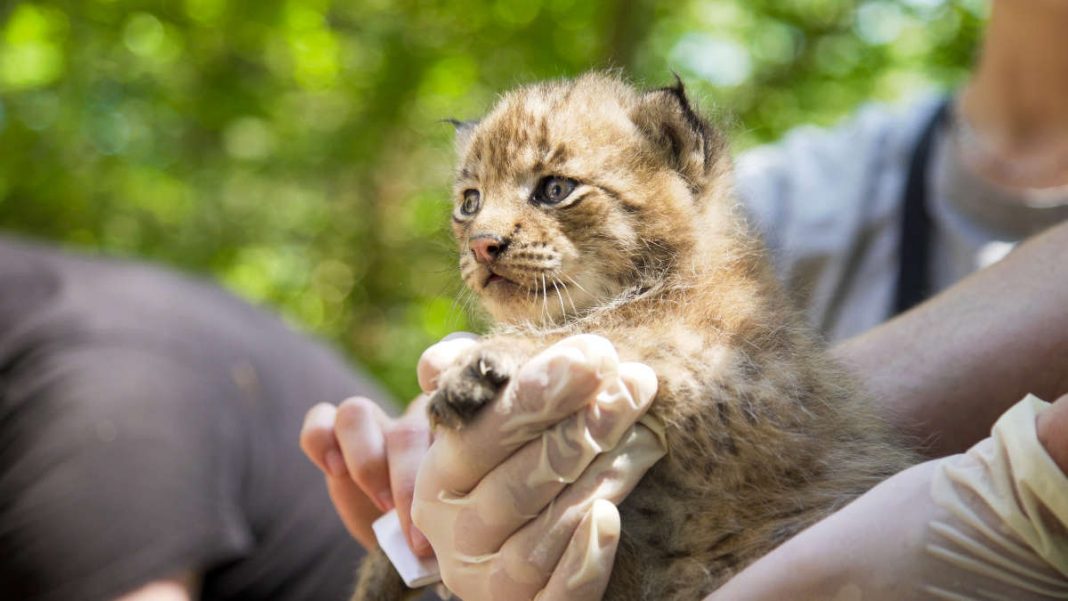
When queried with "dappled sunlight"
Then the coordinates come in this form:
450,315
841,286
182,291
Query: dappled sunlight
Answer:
295,150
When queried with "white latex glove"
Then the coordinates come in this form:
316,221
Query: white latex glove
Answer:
989,524
538,473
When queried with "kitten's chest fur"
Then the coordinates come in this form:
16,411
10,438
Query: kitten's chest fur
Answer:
765,435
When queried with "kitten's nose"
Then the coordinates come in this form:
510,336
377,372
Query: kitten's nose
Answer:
487,247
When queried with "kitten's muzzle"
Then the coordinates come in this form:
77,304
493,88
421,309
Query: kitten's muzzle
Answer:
487,247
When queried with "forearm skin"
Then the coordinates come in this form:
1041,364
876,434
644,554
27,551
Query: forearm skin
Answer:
946,370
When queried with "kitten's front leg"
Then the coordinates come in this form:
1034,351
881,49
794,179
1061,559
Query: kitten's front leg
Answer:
475,379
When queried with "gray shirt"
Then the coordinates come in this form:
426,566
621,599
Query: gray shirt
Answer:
829,203
148,426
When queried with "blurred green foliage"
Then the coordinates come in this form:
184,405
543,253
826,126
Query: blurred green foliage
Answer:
294,149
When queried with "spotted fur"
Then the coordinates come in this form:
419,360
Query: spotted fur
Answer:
651,250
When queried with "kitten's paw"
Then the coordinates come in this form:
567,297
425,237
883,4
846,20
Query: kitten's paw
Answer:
472,383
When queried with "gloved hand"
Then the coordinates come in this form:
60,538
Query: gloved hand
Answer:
989,524
520,503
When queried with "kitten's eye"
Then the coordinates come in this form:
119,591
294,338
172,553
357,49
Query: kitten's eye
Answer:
472,202
553,189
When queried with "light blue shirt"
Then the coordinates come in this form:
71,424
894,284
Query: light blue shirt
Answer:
829,203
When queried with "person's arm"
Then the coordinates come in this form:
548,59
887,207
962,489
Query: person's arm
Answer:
987,524
944,373
1014,102
946,370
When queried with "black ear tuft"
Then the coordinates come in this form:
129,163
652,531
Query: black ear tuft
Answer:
464,131
668,120
679,92
679,87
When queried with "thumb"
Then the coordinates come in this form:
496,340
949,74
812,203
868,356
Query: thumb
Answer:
440,357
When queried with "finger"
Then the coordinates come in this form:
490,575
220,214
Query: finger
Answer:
530,554
555,384
1052,431
640,380
356,510
406,444
440,357
318,442
461,335
522,486
585,568
360,431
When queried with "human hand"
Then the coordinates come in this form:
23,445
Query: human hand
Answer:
520,503
370,461
991,523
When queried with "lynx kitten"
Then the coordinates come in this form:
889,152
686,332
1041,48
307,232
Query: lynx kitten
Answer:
588,206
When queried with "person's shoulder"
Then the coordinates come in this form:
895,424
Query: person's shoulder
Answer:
84,301
81,275
97,294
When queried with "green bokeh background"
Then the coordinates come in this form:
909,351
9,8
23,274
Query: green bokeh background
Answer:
294,150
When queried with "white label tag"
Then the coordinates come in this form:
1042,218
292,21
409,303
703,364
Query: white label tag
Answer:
415,571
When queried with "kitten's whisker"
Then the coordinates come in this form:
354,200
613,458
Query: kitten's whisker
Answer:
544,301
457,300
453,308
578,285
570,300
467,297
559,297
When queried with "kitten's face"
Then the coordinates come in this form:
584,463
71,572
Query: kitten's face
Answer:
570,193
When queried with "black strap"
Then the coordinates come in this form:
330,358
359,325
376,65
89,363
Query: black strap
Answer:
914,255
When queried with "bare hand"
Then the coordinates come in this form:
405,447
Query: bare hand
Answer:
370,461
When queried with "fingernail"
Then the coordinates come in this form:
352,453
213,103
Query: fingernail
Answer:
385,500
419,542
335,465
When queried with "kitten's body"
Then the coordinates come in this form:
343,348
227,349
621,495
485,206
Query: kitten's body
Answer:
647,248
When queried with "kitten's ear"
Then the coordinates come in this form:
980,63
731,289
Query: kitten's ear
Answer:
689,143
464,131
